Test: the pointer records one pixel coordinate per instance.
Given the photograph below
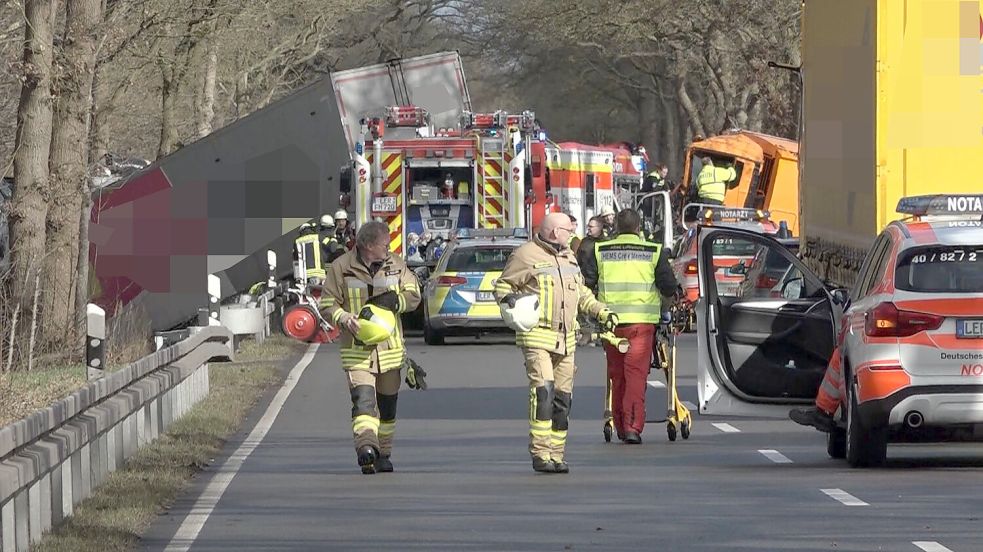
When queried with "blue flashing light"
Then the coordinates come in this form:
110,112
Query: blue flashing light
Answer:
359,148
941,204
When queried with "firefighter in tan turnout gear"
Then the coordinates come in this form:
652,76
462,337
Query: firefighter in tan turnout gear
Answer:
540,293
365,291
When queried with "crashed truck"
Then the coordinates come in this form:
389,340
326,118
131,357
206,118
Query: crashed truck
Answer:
216,206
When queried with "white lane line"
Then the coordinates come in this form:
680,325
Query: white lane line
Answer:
775,456
657,384
726,428
198,516
846,498
931,546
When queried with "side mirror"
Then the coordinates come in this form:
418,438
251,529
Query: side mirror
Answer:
792,289
841,296
345,180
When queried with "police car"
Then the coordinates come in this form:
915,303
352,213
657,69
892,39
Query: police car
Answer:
910,333
458,298
732,259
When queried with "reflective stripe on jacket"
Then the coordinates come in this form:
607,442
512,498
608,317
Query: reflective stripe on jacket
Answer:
536,267
348,286
626,278
712,181
312,255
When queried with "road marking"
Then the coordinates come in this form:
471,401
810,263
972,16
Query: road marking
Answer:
203,507
726,428
931,546
846,498
775,456
657,384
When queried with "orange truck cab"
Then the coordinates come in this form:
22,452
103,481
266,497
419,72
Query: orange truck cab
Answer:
767,172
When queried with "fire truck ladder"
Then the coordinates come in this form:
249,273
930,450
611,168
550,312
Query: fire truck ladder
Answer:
492,195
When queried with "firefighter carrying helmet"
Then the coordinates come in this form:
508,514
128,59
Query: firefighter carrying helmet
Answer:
520,311
341,214
375,324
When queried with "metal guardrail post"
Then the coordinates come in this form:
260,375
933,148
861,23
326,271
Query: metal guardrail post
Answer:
95,341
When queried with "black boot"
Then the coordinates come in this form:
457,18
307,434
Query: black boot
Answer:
633,438
561,467
543,465
383,464
813,417
367,456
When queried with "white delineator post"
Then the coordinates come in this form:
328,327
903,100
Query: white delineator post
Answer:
214,292
95,341
271,264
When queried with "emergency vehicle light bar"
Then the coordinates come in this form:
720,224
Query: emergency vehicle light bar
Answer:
941,204
472,233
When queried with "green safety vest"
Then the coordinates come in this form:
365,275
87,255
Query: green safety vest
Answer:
312,252
626,278
712,182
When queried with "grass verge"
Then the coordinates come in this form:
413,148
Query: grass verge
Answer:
127,503
24,392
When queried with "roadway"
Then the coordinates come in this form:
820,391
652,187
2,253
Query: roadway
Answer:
464,481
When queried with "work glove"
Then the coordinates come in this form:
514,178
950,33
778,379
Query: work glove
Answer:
415,375
608,320
388,300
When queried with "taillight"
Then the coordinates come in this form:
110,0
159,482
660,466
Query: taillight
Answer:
691,268
451,281
885,320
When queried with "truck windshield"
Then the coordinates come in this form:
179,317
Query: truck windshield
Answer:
478,259
941,269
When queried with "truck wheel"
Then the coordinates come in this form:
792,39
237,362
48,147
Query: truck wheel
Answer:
865,447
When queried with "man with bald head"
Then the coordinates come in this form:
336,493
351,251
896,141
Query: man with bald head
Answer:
546,268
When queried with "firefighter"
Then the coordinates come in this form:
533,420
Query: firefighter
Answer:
656,181
711,183
540,293
607,221
344,231
308,240
631,273
330,248
365,291
574,242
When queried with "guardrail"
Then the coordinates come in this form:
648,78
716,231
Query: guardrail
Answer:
54,458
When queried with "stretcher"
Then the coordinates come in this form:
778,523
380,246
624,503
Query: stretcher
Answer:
679,420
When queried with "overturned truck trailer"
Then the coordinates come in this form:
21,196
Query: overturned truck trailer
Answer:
217,205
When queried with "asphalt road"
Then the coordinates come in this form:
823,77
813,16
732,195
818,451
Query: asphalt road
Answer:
464,481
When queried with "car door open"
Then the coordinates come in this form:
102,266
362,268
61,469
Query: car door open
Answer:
765,325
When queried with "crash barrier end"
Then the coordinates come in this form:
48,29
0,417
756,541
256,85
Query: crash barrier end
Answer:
54,458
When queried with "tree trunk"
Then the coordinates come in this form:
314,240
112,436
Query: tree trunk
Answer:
33,144
168,122
68,165
98,129
695,120
206,92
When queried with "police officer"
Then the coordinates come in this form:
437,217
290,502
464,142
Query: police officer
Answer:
630,274
545,269
365,291
711,183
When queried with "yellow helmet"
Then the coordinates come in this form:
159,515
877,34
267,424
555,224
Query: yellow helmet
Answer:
376,325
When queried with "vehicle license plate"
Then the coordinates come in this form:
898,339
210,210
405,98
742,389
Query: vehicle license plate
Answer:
969,329
486,296
384,204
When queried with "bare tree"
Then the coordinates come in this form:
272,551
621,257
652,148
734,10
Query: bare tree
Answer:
33,144
69,162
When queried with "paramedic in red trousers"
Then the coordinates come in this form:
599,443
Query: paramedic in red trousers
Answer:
632,276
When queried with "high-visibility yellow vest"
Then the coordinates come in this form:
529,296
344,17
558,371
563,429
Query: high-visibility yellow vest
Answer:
712,182
626,278
311,244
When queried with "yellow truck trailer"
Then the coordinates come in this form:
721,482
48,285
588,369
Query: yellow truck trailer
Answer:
892,107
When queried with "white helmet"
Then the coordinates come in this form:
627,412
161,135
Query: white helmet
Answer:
341,214
521,313
607,210
327,221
